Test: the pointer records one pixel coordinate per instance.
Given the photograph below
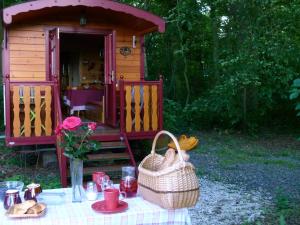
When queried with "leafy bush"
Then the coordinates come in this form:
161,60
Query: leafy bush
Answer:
47,181
172,116
295,93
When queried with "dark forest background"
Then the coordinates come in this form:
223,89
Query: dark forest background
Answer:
226,64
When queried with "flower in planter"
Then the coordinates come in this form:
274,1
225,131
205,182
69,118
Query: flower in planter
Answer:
75,137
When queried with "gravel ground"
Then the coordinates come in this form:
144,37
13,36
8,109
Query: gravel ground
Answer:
269,178
238,187
225,204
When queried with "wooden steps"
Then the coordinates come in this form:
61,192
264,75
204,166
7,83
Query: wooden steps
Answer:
112,145
114,153
108,156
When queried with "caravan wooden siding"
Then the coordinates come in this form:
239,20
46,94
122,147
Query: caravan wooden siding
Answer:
27,45
128,66
27,53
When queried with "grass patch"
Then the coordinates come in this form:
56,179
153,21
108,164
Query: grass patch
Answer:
233,149
284,212
12,169
281,162
47,181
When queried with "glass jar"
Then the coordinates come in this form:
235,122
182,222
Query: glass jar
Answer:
128,182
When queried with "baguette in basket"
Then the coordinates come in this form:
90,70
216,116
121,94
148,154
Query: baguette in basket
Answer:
174,186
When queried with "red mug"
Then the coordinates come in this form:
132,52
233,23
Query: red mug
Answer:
98,177
111,198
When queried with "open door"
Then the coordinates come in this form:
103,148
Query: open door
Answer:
110,80
53,68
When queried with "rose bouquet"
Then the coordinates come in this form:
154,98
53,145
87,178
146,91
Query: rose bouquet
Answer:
75,137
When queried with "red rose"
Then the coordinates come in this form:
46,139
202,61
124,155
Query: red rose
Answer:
71,123
58,130
92,126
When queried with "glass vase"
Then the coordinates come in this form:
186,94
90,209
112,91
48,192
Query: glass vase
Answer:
76,169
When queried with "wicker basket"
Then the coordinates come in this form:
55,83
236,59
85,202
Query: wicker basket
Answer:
173,187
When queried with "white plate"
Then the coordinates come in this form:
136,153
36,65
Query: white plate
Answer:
52,198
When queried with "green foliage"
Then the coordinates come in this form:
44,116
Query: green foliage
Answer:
172,115
226,63
48,181
282,220
295,93
11,2
282,202
229,63
76,143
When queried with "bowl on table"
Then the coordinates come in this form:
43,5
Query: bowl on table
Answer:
6,185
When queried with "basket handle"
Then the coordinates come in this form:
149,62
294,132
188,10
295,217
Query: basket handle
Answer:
172,137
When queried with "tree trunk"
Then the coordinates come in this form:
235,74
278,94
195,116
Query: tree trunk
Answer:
185,75
215,27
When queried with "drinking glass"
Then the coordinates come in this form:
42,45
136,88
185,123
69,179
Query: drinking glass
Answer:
107,184
91,191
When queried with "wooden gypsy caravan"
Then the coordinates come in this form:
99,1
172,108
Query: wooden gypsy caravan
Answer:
82,57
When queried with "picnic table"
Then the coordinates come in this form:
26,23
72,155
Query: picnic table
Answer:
67,213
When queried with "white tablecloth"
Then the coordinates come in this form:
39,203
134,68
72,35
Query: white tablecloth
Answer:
67,213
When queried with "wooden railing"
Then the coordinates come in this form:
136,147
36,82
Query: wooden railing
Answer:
141,105
29,112
62,161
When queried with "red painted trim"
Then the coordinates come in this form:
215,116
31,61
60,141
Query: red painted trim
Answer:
64,168
7,107
6,79
122,105
27,7
29,140
148,136
141,133
6,58
32,83
4,54
128,149
110,81
47,58
142,57
57,101
141,82
114,102
106,137
57,66
58,116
